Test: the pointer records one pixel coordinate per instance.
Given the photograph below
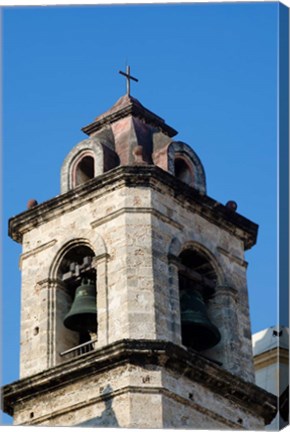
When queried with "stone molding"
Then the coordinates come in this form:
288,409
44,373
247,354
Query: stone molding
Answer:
232,257
136,176
225,290
146,352
36,250
51,282
137,210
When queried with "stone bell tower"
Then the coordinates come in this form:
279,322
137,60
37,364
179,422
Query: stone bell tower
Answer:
134,292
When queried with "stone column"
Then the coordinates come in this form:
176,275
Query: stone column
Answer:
64,339
100,265
222,311
174,303
59,338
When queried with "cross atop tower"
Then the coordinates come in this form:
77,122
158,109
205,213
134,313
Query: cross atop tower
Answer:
128,77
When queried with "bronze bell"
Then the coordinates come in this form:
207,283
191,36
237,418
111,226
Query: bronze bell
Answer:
82,316
197,330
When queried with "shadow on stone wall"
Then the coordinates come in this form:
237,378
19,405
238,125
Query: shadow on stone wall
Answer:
108,417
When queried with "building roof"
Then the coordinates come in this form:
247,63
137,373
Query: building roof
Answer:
270,338
128,106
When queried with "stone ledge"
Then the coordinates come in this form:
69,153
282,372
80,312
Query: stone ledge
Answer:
144,352
137,176
136,210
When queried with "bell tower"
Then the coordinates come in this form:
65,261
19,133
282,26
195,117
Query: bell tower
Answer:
134,291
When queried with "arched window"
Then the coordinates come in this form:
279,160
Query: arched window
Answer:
197,281
183,171
79,303
85,170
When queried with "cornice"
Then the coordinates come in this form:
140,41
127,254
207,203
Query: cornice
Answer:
275,356
132,108
145,352
136,176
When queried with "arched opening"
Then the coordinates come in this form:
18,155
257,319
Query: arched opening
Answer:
78,306
182,170
85,170
197,281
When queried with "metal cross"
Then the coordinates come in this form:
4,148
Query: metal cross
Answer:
129,77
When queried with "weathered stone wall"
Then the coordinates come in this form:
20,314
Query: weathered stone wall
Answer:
127,396
199,407
83,400
125,295
132,396
174,226
132,231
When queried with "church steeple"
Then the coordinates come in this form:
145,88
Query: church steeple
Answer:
134,219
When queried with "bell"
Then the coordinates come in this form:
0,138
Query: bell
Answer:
197,330
82,316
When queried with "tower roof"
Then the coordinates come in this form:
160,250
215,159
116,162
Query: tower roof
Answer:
126,106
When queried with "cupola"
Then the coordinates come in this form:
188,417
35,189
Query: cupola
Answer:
130,134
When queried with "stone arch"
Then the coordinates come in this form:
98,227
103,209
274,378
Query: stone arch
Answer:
177,246
197,274
62,285
83,168
221,306
200,248
183,169
103,156
182,160
80,237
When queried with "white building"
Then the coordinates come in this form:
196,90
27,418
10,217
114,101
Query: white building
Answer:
271,360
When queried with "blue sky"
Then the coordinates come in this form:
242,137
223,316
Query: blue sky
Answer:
210,70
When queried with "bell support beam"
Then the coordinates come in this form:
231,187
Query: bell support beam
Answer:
203,284
76,269
195,276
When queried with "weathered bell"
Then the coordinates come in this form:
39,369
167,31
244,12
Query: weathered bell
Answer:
82,316
197,330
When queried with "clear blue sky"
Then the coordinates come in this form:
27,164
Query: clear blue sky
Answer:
210,70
